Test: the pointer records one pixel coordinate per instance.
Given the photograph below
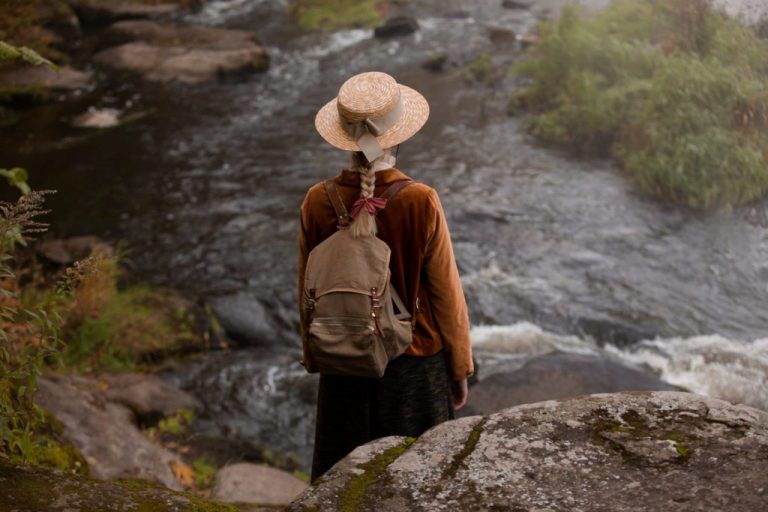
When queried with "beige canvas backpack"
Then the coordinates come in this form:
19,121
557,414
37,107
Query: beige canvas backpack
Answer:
352,326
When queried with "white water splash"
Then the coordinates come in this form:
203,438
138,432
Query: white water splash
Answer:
526,339
219,11
711,365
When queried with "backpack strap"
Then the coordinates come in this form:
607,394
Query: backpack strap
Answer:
388,194
338,205
403,312
394,188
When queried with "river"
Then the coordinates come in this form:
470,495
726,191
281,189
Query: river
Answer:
204,189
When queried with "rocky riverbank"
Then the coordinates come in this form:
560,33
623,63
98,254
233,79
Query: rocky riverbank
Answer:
107,413
135,426
99,41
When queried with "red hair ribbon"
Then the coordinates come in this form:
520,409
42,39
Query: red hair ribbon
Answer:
371,204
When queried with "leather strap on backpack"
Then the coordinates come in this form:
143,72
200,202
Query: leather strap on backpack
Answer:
395,188
338,205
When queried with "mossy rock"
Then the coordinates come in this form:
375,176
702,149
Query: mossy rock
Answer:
33,488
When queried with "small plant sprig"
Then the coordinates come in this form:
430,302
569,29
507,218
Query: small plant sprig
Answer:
10,52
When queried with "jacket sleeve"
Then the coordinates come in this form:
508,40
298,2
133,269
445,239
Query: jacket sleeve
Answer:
303,254
445,293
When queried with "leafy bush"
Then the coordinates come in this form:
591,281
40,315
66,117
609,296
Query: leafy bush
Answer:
110,326
336,14
674,90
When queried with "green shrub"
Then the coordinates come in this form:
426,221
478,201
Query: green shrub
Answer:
675,91
29,340
332,15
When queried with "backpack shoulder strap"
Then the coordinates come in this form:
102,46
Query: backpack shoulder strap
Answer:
338,205
394,188
388,194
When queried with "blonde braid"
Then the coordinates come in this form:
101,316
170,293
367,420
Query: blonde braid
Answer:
365,224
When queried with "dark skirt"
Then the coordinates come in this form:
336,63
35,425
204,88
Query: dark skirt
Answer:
411,397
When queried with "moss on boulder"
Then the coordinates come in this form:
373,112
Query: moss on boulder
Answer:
33,488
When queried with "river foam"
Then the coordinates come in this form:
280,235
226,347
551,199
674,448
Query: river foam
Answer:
712,365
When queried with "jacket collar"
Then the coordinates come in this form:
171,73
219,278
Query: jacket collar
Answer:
351,178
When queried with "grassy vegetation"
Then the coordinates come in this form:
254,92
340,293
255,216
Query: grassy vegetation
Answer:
332,15
675,91
111,327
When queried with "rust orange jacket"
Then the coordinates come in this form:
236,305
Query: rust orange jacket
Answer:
422,264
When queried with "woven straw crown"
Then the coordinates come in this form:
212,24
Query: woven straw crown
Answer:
365,99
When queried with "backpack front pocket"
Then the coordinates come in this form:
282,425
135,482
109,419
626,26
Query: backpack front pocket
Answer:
347,346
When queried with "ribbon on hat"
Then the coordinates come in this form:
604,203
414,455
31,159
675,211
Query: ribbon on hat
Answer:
371,204
365,131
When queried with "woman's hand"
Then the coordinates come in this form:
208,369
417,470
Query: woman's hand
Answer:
459,393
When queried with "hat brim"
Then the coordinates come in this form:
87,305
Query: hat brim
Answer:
415,114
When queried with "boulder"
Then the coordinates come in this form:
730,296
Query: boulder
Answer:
104,432
26,488
396,26
245,319
436,64
621,452
557,375
518,4
39,79
188,53
251,483
106,11
66,251
502,36
147,396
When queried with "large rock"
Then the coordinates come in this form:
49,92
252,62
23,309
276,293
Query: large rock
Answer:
557,375
31,489
147,396
66,251
245,319
396,26
188,53
619,452
43,78
104,432
105,11
252,483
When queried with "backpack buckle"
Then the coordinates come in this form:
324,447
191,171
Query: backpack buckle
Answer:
309,302
375,307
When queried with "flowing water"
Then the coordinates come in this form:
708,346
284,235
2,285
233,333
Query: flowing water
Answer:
556,254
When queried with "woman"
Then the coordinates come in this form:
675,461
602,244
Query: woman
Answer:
371,115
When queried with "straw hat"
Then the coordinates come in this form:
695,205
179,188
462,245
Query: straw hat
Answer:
371,112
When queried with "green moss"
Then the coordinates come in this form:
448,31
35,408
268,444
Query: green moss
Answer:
349,500
27,488
676,92
205,473
683,451
197,504
175,425
329,15
466,451
301,475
